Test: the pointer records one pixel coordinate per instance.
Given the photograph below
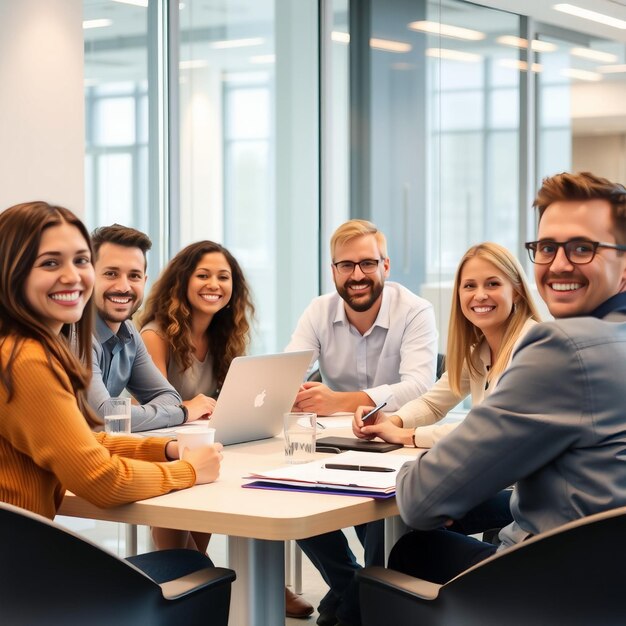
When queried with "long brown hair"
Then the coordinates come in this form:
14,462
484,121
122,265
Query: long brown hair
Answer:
463,336
22,227
169,307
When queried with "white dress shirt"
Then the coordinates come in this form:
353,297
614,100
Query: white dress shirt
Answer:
394,361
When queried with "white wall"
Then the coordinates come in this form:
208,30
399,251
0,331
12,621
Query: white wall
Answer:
41,102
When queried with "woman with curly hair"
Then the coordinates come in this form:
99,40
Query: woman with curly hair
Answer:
196,321
197,318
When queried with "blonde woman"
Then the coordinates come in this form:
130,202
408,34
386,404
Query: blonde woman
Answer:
492,311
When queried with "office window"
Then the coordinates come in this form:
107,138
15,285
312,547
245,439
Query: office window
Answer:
249,147
116,116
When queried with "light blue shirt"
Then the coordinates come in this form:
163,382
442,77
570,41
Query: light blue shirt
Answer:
121,361
394,361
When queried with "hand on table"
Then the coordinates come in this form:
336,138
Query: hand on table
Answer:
200,406
387,427
317,398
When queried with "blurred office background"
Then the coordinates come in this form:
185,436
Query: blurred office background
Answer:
264,124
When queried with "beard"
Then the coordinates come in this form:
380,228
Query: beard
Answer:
108,314
358,303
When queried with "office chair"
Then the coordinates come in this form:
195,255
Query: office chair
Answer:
50,575
571,575
441,365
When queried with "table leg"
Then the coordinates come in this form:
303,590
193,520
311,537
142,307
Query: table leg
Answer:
394,529
258,594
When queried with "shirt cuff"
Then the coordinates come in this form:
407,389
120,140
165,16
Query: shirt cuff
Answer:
382,394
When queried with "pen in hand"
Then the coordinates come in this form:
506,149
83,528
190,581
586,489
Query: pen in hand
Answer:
374,410
358,468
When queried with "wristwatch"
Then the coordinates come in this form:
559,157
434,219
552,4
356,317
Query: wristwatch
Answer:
185,412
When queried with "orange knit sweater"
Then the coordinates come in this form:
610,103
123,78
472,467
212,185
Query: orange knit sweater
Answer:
46,446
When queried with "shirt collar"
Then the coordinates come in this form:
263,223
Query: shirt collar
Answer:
616,303
103,333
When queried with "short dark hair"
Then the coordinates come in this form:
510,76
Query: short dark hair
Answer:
122,236
584,186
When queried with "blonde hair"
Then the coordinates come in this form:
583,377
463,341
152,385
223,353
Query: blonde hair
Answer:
463,336
357,228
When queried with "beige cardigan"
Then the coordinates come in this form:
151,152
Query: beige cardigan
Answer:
423,412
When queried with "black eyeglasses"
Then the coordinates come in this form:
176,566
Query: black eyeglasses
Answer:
577,251
368,266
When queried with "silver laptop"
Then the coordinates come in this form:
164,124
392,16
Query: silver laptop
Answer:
256,393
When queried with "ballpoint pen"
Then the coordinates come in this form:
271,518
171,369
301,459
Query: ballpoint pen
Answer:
358,468
374,410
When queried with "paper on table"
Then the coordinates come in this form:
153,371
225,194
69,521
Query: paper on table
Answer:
314,473
335,422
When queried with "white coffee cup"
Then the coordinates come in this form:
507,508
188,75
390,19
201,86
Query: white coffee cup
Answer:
193,437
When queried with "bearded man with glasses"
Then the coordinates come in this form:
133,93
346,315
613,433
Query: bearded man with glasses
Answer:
375,341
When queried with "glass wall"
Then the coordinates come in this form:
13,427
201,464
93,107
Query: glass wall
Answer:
294,116
242,69
116,115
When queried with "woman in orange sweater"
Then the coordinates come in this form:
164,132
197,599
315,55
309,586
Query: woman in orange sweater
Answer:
46,441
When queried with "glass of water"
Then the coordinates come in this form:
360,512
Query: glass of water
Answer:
117,416
300,437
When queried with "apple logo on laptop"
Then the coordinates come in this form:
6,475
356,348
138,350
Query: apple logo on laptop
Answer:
260,399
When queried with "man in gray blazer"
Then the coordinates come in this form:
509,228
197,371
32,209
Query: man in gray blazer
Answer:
555,426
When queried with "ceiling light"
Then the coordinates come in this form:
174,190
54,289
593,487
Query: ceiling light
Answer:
593,16
263,58
611,69
237,43
517,42
446,30
340,37
193,64
390,46
453,55
581,74
97,23
594,55
522,66
136,3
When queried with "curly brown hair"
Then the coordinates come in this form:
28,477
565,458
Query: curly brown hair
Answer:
168,306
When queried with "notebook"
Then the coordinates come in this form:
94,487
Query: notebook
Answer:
256,393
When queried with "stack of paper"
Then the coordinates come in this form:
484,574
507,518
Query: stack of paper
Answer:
361,473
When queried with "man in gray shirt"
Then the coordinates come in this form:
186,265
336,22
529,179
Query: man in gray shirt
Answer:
120,359
555,425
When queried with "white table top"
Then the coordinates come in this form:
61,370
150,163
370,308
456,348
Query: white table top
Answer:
224,507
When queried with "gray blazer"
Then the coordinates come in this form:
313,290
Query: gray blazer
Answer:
555,426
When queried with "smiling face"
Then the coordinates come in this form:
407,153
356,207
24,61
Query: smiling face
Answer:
61,280
486,296
570,290
120,283
210,287
360,291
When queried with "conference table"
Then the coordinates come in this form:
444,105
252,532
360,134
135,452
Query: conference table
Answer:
257,523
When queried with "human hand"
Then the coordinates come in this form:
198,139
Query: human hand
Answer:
206,462
317,398
389,431
200,406
358,423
